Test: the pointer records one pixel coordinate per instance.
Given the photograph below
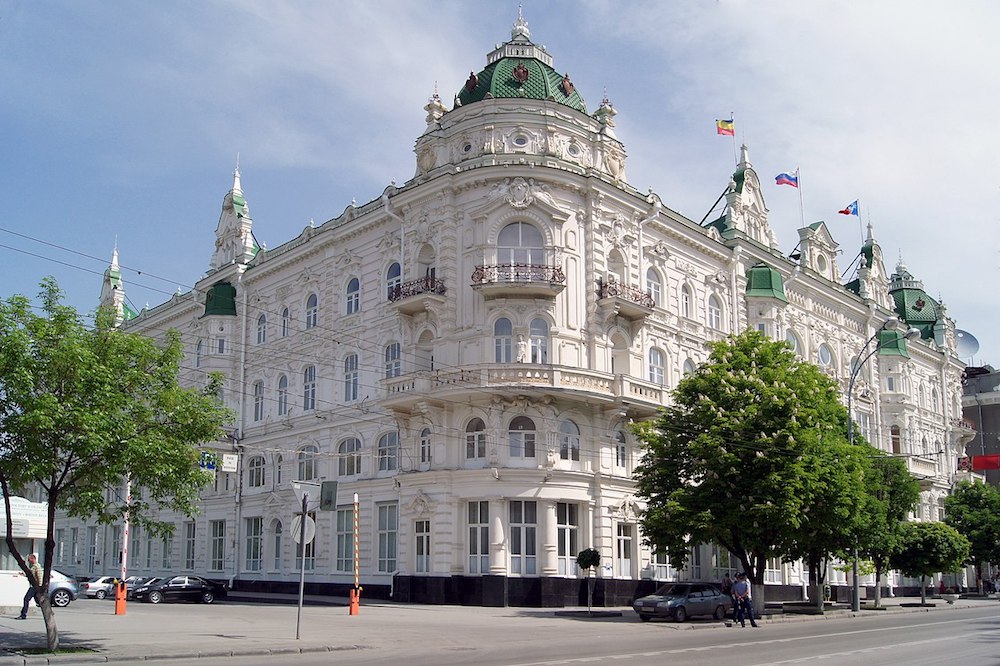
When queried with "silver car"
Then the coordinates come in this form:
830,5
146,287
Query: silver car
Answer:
679,601
99,588
62,589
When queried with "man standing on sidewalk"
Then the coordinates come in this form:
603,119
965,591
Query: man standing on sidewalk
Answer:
36,572
744,604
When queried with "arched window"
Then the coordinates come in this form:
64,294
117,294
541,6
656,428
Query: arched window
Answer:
569,441
825,356
351,378
503,340
475,439
349,457
425,446
262,329
255,472
689,367
793,341
656,366
197,354
353,296
654,287
686,305
393,279
539,333
714,313
276,549
897,446
307,462
388,451
282,395
309,388
392,362
520,243
312,311
521,437
284,328
258,401
621,449
935,400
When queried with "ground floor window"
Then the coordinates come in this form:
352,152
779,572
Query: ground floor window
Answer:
661,567
189,542
345,540
772,571
255,543
523,528
388,524
623,551
217,557
567,533
422,546
479,537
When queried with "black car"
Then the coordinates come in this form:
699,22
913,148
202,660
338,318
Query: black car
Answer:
179,588
680,601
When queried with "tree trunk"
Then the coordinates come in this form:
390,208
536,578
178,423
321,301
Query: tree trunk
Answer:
923,590
51,632
590,590
878,589
757,596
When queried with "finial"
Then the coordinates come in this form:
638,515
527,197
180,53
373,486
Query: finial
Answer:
520,28
870,235
236,177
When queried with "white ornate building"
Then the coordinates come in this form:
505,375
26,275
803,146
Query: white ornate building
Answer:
466,352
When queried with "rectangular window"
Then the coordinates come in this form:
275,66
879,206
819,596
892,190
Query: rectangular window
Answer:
522,443
567,532
136,546
255,543
149,551
276,550
74,546
309,388
60,546
167,552
479,537
422,546
475,445
91,549
772,572
217,558
623,551
694,563
425,447
189,542
388,523
661,567
523,545
221,346
310,553
345,540
115,556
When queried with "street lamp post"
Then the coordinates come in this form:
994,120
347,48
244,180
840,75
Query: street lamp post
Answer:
890,324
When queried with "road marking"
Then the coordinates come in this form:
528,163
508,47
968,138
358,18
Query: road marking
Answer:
861,651
772,641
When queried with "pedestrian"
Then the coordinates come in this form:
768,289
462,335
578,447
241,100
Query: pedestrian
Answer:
744,602
727,589
36,571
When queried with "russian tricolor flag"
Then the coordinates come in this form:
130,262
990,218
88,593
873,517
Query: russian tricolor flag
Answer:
786,179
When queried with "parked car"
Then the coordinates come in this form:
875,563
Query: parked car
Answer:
180,588
680,601
62,589
135,582
99,587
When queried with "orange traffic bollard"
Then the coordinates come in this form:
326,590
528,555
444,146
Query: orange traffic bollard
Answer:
120,594
355,600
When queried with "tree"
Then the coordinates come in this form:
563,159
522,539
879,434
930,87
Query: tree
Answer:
589,559
742,455
974,510
82,409
891,493
927,548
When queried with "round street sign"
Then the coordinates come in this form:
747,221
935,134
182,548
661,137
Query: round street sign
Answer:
297,529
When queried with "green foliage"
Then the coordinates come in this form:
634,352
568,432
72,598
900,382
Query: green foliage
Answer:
83,409
891,493
974,510
587,558
928,548
751,447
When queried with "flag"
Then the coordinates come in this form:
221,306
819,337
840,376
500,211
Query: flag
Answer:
985,462
852,209
725,127
787,179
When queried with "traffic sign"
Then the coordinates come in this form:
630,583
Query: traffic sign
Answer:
297,529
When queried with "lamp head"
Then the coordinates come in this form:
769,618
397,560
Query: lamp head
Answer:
891,324
912,333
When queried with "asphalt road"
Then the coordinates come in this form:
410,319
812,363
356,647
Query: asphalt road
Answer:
451,635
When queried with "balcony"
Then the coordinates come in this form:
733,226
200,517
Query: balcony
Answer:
621,300
405,392
518,281
922,467
417,296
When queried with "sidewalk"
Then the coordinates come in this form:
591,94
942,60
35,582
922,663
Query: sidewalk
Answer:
265,624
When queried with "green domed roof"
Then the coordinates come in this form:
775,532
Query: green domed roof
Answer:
913,305
520,69
766,282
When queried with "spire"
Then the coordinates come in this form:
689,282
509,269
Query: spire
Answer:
234,240
113,291
744,156
520,29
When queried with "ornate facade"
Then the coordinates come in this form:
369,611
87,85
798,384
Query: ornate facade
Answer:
466,353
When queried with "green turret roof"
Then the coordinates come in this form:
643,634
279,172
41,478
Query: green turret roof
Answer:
764,281
519,68
912,304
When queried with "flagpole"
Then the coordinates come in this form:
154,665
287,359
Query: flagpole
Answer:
736,154
802,214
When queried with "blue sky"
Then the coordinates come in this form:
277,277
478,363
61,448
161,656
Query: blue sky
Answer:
122,120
